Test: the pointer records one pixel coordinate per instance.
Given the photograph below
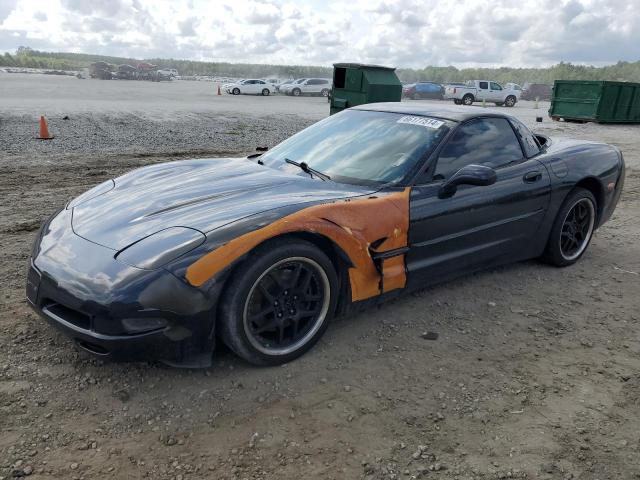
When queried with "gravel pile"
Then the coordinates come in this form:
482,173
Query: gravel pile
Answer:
128,133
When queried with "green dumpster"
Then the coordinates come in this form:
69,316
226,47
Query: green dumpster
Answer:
355,84
596,101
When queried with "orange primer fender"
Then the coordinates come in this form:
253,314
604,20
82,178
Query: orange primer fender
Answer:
353,224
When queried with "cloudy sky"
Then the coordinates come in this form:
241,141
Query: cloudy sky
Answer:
403,33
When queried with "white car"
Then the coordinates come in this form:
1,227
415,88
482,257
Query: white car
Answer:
251,86
482,90
168,73
308,86
286,87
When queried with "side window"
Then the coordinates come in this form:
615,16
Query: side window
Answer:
529,142
483,85
482,141
495,86
260,82
323,82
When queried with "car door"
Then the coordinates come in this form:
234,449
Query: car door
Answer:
496,93
483,91
478,226
261,85
311,86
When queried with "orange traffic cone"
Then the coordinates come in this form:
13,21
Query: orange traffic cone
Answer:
219,92
44,129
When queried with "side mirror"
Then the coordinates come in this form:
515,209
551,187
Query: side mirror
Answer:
479,175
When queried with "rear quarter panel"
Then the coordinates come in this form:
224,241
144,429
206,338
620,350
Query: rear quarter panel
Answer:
572,162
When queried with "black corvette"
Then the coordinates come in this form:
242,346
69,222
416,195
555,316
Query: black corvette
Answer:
263,251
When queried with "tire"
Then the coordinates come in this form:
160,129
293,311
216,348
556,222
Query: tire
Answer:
510,101
265,92
561,250
325,92
467,99
296,92
457,101
253,288
236,91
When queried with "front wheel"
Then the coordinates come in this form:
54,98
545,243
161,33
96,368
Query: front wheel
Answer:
236,91
265,92
572,229
279,302
296,92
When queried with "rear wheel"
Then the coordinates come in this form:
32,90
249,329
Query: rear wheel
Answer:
279,302
457,101
467,99
510,101
572,229
325,92
265,92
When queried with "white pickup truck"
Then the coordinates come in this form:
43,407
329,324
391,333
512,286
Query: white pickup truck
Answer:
479,90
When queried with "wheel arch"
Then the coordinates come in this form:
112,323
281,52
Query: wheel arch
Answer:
340,260
594,186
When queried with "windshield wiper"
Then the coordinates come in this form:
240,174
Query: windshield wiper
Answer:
307,169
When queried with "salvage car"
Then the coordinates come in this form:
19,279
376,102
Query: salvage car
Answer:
263,251
423,90
251,86
483,90
537,91
308,86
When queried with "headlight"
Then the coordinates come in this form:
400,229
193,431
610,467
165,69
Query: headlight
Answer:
94,192
160,248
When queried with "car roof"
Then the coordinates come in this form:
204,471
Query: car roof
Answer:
454,113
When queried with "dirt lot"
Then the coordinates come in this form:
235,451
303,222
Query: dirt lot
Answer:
534,374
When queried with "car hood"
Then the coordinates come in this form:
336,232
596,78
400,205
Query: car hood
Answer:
203,194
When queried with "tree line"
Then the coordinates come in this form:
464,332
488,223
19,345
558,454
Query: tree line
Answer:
622,71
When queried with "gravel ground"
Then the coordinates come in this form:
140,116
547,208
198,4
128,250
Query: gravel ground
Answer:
534,372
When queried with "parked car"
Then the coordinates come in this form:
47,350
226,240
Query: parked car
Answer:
513,86
283,85
251,86
261,252
423,90
541,91
167,73
479,90
308,86
447,91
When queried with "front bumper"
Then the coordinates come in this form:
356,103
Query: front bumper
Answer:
114,310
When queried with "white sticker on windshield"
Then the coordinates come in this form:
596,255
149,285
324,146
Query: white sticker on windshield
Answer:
421,121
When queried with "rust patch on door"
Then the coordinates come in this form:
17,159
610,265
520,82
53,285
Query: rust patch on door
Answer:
353,224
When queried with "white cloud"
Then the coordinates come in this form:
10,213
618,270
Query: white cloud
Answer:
406,33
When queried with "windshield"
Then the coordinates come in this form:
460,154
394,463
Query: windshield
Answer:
361,147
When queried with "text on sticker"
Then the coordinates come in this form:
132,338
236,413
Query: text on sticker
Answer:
421,121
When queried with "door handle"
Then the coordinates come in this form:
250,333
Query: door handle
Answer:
531,177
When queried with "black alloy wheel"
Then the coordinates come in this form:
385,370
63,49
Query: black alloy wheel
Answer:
572,229
286,306
577,229
278,302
